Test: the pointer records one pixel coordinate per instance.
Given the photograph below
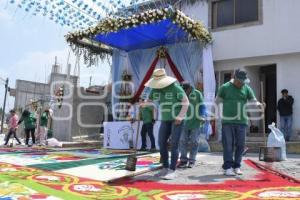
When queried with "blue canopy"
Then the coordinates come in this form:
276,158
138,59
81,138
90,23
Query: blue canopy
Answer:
144,36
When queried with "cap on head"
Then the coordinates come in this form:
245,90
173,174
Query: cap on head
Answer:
12,111
241,76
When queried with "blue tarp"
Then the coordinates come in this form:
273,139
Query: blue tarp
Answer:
144,36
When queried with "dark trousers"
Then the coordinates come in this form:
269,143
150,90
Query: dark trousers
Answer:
12,132
233,140
147,128
27,132
167,130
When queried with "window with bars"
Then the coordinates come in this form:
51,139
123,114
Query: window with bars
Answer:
233,12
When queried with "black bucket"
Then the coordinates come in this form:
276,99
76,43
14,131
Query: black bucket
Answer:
270,154
131,163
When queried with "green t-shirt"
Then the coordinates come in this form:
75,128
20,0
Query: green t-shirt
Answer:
44,119
193,118
146,113
234,103
169,99
29,121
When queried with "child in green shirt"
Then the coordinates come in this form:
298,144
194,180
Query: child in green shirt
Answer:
147,115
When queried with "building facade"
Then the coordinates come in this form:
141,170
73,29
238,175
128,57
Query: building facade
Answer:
78,116
259,36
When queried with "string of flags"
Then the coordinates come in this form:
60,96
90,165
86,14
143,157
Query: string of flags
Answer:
77,14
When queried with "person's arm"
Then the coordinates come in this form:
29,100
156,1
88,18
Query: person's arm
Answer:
154,114
251,98
290,99
280,104
20,120
202,109
184,108
221,95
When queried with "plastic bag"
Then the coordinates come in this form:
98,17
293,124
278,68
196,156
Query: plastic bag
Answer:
203,144
276,139
52,142
204,136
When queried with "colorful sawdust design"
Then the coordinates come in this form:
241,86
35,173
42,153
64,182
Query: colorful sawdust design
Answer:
39,158
18,181
94,158
17,191
149,162
6,150
114,169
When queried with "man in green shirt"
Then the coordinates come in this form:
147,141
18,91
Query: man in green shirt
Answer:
234,95
147,115
173,105
191,134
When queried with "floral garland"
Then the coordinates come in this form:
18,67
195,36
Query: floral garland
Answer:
195,29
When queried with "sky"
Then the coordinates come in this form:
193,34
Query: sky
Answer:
28,46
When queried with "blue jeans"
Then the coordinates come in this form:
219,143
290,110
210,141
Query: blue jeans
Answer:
286,126
189,140
169,129
147,128
233,140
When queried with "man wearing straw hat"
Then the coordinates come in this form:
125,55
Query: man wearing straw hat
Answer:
173,105
234,95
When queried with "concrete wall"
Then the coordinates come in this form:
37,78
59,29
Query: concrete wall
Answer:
85,116
277,34
88,114
27,90
274,40
288,71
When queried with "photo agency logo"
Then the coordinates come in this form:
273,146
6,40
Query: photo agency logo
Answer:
115,101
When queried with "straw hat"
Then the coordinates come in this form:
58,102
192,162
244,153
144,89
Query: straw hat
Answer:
160,79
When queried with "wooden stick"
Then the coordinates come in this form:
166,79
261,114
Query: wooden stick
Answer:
263,112
137,136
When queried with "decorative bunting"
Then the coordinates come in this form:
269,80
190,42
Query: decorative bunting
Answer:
77,14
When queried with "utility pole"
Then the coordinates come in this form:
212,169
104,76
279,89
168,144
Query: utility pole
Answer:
3,110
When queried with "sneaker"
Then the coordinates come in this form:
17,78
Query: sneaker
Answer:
182,164
171,175
142,149
162,172
229,172
191,165
238,171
